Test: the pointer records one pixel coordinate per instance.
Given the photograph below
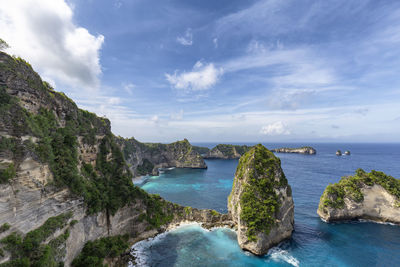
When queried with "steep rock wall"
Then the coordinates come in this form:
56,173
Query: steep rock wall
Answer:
371,196
261,201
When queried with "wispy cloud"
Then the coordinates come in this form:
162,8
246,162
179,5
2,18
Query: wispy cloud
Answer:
128,88
177,115
187,38
215,42
202,77
276,128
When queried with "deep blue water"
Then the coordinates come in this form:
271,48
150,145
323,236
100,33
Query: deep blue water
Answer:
314,243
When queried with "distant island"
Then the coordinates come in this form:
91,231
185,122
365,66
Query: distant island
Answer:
301,150
372,196
225,151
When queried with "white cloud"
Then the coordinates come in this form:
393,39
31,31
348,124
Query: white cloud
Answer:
43,33
155,119
114,101
177,116
202,77
276,128
187,39
128,87
215,41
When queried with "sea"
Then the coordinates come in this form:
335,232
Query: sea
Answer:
314,242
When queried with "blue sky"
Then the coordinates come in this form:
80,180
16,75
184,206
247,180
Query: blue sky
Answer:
223,71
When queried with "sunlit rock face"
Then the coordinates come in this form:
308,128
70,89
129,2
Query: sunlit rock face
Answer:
261,201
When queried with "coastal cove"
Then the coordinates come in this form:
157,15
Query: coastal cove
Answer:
313,241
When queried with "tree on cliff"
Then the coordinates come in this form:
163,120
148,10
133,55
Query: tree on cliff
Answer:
3,45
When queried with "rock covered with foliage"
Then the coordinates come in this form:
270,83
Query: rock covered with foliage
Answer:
147,158
223,151
261,201
372,196
65,180
301,150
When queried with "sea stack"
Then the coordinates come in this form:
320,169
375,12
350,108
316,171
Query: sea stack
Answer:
338,153
372,196
261,202
347,153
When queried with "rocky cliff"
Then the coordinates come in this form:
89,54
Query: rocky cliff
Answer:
147,158
64,180
66,188
261,201
223,151
300,150
372,196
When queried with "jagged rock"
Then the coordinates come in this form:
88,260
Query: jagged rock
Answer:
147,158
338,153
223,151
300,150
56,158
372,196
261,201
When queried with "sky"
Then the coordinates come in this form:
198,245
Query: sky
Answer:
220,71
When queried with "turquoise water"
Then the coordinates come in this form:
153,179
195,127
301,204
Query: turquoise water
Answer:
314,243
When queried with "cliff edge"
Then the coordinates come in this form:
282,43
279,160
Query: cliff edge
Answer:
64,180
261,201
147,158
371,196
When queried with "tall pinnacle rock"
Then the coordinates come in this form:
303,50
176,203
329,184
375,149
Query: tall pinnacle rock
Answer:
261,202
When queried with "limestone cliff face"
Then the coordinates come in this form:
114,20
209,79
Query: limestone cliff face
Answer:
301,150
146,158
261,202
223,151
371,196
56,159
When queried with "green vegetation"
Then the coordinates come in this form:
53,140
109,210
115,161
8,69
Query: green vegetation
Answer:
229,150
145,168
350,187
3,45
4,227
94,252
31,251
7,173
58,128
259,202
188,210
157,212
214,213
201,150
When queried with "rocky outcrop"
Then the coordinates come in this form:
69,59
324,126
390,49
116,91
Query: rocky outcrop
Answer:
261,201
61,166
301,150
201,150
147,158
372,196
65,179
223,151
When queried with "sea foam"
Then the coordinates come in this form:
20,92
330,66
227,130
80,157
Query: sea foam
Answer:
278,254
